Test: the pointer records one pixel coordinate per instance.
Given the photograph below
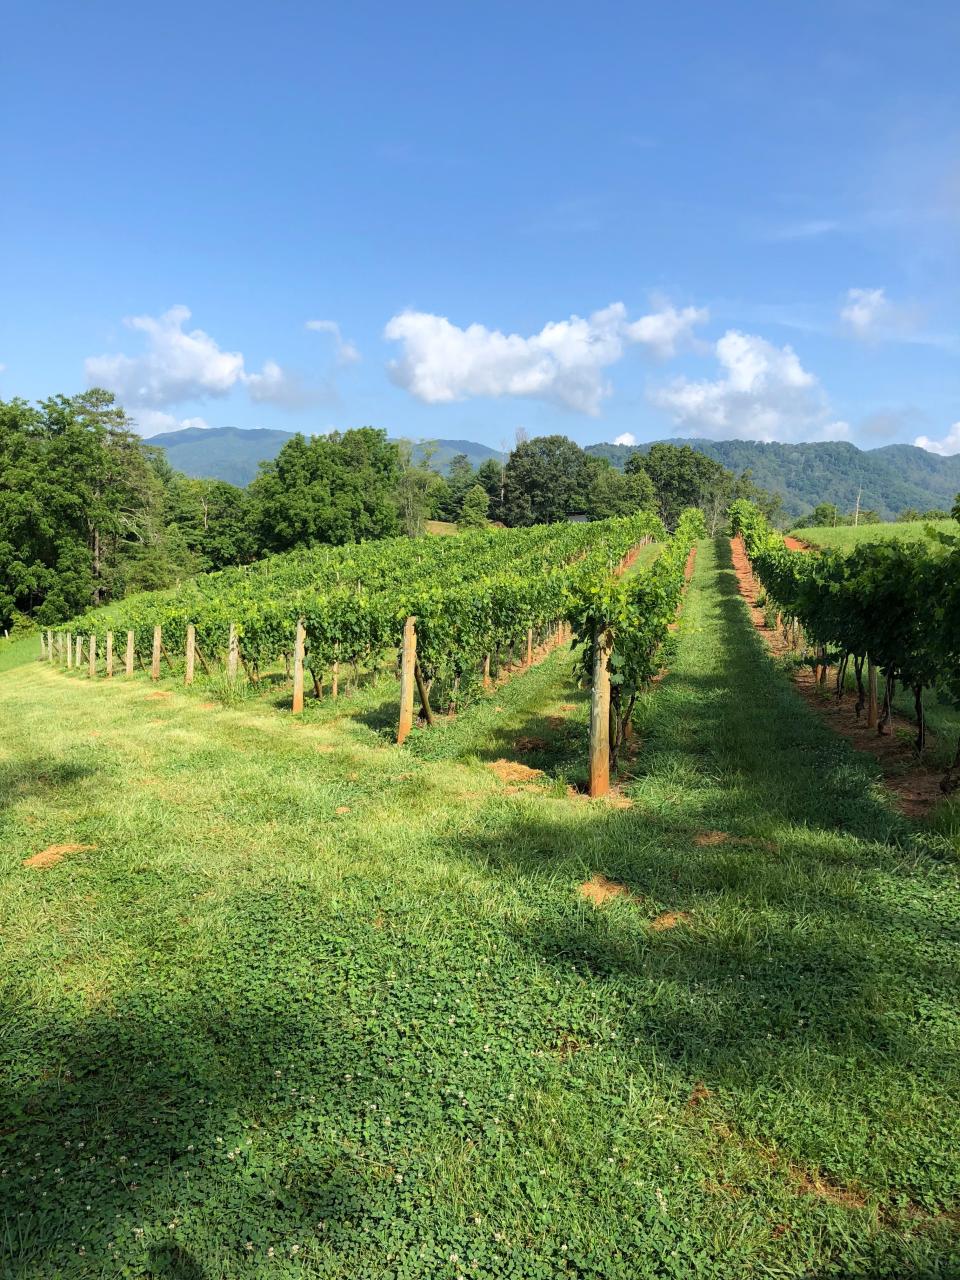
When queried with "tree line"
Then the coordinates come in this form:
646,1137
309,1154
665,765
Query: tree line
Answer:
90,512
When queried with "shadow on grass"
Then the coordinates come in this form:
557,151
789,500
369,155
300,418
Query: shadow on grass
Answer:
39,777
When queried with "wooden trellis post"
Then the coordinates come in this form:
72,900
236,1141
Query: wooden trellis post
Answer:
59,646
233,652
600,719
335,680
92,664
408,663
155,663
50,644
109,653
78,657
872,708
128,656
486,671
69,650
191,653
298,648
529,646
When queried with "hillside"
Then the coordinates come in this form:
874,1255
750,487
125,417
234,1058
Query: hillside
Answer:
234,454
894,478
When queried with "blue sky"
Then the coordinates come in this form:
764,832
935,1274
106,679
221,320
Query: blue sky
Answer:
609,220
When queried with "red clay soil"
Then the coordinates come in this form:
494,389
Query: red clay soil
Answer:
915,787
794,544
691,561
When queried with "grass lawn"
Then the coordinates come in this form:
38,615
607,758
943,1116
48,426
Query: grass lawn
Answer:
312,1005
846,537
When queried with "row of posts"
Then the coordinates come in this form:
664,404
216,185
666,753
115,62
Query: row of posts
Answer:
68,649
411,677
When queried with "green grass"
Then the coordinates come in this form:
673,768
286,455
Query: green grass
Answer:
846,537
317,1006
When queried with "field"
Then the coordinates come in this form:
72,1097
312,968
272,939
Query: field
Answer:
846,537
309,1004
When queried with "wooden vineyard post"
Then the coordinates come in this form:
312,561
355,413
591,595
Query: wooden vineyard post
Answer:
50,645
233,652
109,653
69,650
60,646
92,664
335,680
78,656
191,654
529,646
408,663
128,657
298,646
486,671
155,663
872,709
600,719
43,647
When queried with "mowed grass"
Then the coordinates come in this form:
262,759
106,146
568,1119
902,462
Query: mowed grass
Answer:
313,1005
846,537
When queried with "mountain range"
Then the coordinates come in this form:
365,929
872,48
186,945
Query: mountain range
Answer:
889,479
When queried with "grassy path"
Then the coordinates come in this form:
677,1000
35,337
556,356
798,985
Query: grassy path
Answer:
315,1006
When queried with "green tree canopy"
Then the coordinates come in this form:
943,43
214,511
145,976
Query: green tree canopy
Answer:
336,488
473,512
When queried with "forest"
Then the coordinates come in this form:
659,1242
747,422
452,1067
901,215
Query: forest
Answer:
90,512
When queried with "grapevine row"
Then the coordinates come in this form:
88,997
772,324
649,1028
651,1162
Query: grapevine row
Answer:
890,604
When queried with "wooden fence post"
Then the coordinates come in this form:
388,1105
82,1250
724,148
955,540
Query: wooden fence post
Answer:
78,656
191,653
408,663
335,680
128,656
600,719
233,652
155,663
92,665
60,646
69,650
50,644
298,646
872,709
529,646
109,653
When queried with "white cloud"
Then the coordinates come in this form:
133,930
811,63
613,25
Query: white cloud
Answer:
275,385
866,312
564,363
764,394
627,438
176,365
949,445
153,422
347,353
180,365
662,331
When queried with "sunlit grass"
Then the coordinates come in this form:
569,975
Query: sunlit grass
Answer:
318,1006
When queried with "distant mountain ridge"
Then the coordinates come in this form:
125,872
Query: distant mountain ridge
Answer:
893,477
235,453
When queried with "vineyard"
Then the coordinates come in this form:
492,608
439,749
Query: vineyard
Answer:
888,606
453,608
286,999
